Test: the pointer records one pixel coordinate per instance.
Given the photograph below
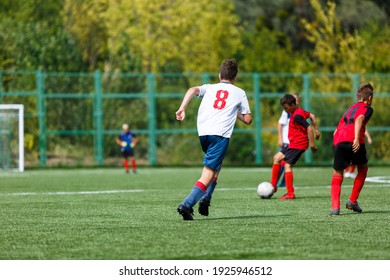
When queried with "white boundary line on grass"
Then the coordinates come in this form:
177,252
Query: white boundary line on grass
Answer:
378,179
72,193
383,180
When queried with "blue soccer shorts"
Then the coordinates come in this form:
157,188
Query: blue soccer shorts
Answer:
215,148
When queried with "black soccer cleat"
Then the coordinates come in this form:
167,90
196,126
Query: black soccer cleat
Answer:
334,212
353,206
186,212
204,205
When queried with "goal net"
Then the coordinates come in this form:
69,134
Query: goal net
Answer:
11,137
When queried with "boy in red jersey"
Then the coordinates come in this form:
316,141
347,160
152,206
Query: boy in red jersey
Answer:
283,142
348,140
300,133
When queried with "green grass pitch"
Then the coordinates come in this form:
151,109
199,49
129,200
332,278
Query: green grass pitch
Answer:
105,214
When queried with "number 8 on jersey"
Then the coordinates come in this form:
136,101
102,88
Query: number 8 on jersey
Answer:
220,102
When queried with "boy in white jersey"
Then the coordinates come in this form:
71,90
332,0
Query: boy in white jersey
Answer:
222,103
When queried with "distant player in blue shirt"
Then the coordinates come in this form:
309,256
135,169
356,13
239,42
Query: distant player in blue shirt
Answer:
128,140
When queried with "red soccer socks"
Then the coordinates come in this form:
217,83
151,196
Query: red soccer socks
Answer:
133,165
126,165
289,182
275,175
358,183
289,186
335,190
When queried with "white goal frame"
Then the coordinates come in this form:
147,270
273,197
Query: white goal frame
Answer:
20,108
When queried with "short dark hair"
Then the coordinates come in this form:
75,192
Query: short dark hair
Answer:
364,91
228,69
288,99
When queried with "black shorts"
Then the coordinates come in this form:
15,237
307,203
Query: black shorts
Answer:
127,153
344,156
284,148
291,156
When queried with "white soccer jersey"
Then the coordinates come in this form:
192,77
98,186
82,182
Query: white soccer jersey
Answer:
218,110
284,120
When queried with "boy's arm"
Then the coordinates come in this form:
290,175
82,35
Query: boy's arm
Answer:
134,142
315,125
311,138
358,126
280,141
180,114
368,136
247,118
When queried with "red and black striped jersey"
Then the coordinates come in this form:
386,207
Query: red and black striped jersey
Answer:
346,128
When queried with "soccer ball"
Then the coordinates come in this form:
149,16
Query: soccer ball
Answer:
265,190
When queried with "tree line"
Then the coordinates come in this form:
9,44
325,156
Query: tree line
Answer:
195,36
184,36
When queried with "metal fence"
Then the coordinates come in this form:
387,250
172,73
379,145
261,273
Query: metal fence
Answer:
72,118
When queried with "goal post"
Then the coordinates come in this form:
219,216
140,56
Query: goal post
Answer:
12,137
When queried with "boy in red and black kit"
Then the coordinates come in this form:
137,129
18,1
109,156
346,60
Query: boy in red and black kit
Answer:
300,133
348,140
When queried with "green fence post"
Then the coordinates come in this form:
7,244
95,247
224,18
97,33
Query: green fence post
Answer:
41,108
152,119
306,104
205,78
258,136
98,118
355,85
1,87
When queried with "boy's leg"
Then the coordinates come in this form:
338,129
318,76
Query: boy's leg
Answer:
275,174
281,177
133,164
289,182
185,208
204,202
198,191
358,182
291,157
215,148
360,158
335,189
352,172
347,172
126,165
276,169
210,189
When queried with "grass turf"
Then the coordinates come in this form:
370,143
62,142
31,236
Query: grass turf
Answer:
105,214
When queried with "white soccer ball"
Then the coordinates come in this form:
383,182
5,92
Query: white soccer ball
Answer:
265,190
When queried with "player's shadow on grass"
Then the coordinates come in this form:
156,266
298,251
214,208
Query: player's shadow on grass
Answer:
242,217
311,197
374,212
349,213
